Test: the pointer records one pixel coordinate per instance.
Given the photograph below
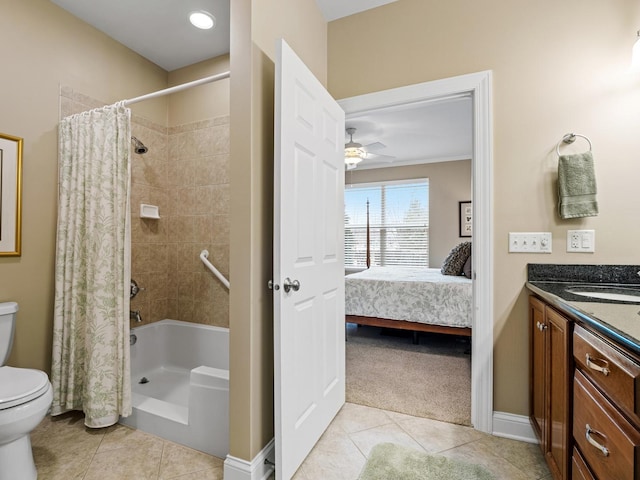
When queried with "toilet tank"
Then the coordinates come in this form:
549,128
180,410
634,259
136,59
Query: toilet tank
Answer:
8,312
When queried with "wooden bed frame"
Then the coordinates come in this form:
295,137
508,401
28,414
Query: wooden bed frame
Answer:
415,327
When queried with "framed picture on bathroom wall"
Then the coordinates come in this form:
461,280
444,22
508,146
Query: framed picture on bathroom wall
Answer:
10,195
465,218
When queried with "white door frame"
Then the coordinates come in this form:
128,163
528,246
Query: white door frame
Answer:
478,87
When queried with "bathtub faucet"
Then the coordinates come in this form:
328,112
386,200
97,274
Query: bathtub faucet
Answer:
135,315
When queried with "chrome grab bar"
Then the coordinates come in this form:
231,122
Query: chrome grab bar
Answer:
204,257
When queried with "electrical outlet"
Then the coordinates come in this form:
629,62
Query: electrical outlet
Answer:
530,242
574,239
581,241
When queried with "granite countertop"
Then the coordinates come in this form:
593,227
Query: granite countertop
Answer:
616,319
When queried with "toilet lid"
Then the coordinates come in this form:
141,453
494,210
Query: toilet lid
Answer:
20,385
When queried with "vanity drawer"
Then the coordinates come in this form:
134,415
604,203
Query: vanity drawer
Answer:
609,444
615,373
579,469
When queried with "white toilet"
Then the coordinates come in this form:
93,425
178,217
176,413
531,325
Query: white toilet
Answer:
25,398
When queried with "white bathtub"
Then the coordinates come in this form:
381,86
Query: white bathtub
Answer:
186,398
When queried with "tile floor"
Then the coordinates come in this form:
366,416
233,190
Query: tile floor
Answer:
342,451
65,450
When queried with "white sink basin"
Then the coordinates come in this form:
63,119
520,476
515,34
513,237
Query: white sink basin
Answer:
619,294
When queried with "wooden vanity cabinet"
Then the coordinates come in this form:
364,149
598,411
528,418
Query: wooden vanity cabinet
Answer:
579,469
550,388
585,398
606,426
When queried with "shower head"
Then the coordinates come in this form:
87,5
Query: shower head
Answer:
138,146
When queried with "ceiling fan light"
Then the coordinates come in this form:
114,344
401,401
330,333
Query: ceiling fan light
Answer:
354,155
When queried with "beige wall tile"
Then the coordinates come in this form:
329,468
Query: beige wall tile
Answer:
219,140
186,174
185,309
203,228
220,230
187,201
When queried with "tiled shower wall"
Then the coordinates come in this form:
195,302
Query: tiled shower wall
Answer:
186,174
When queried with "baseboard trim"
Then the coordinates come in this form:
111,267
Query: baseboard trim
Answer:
239,469
516,427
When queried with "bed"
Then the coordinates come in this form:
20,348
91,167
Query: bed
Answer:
409,298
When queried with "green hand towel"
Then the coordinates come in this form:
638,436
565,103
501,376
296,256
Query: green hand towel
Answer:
577,186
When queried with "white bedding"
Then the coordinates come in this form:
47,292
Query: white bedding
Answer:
414,294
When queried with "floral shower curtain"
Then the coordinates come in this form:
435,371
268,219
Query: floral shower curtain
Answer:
90,368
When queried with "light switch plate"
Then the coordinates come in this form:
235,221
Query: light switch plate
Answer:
530,242
581,241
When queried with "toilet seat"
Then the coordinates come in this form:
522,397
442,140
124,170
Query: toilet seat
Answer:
21,385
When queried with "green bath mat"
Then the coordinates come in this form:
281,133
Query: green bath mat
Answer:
390,461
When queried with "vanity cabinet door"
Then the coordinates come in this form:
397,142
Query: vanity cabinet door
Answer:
537,389
550,384
558,392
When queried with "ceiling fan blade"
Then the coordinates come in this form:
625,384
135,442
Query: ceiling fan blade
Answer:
388,158
375,146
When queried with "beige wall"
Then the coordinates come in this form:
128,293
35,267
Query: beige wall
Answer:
45,48
302,27
449,183
206,101
255,27
557,68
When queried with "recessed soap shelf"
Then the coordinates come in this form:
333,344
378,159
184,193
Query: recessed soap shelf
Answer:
149,211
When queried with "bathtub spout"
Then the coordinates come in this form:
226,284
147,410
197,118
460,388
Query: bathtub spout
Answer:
135,315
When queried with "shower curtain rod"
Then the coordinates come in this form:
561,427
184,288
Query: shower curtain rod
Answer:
178,88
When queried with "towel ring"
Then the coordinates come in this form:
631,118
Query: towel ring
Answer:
569,138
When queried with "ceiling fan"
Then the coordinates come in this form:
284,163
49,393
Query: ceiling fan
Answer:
355,152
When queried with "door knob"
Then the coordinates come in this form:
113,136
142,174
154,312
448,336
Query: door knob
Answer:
290,285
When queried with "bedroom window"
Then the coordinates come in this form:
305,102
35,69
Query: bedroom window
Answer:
398,223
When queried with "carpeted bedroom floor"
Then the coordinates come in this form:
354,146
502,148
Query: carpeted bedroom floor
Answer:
431,380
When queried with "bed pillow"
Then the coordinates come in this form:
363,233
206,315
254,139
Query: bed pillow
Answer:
454,263
466,270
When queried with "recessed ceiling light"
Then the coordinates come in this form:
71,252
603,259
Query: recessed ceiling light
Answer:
202,19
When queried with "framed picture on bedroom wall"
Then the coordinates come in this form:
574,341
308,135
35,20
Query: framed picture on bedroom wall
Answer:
10,194
466,218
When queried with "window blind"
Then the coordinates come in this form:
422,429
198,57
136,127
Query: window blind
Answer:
398,223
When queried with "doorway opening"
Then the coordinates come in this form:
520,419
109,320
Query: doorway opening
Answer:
477,87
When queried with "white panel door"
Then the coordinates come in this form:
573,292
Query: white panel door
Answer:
308,251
